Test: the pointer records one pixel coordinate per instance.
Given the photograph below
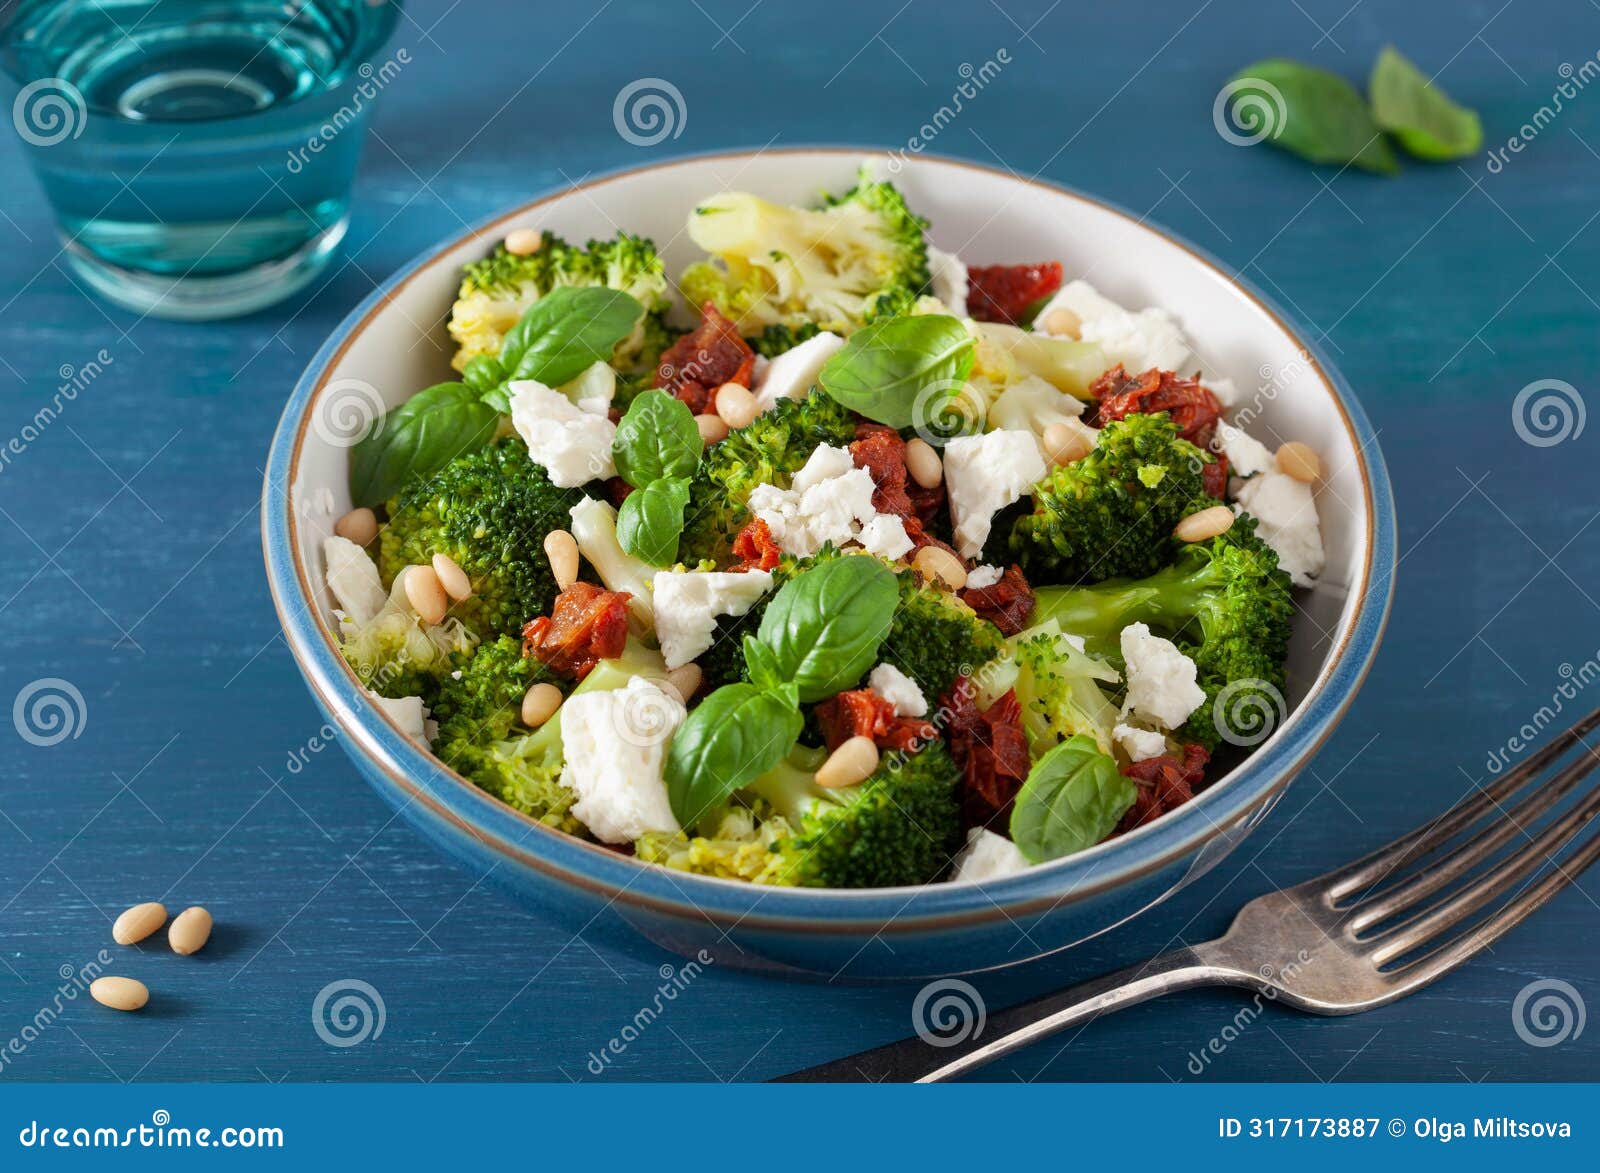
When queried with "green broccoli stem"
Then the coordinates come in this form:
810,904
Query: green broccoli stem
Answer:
1166,600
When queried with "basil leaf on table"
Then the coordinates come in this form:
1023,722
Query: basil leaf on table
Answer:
565,331
826,624
1074,797
1427,123
657,438
900,371
417,439
1309,112
650,520
728,740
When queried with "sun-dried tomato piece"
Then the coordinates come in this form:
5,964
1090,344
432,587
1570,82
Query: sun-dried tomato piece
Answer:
882,452
587,624
755,547
1007,604
991,750
618,489
1214,477
711,354
1001,293
860,712
1164,783
1192,407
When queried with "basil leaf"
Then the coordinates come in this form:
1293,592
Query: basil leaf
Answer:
566,330
650,520
729,739
657,438
1308,112
901,371
417,439
825,625
1418,113
762,664
1073,798
483,373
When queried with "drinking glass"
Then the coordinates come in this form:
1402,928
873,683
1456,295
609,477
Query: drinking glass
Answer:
198,154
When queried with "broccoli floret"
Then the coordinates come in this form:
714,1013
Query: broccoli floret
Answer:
521,768
483,703
395,654
1059,688
1224,602
860,257
489,511
1110,514
770,450
776,339
901,826
498,289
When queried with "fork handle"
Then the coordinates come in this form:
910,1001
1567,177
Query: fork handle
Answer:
915,1060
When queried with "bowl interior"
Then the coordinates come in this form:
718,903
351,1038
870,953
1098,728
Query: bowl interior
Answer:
399,345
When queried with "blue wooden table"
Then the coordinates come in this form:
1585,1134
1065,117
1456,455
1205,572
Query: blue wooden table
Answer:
131,564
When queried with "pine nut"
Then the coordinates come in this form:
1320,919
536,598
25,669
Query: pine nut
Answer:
426,594
359,526
923,463
539,704
685,680
854,761
735,405
1205,525
138,922
940,566
452,578
524,242
561,548
1062,322
190,930
119,993
713,428
1063,443
1300,461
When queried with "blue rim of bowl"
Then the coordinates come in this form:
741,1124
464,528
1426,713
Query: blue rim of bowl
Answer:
616,878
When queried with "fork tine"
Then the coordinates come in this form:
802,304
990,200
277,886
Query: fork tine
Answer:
1375,910
1451,954
1452,911
1374,866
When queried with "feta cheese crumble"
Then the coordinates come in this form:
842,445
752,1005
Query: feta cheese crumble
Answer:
983,474
987,856
1138,339
1286,519
1161,679
829,500
984,576
1137,743
794,372
1246,455
615,744
409,713
353,579
687,603
899,690
949,280
572,444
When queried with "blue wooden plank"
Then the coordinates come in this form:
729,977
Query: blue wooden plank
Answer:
132,568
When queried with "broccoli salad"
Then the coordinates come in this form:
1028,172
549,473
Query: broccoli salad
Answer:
837,561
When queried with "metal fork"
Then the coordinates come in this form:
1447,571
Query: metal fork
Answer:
1359,937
